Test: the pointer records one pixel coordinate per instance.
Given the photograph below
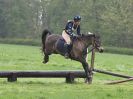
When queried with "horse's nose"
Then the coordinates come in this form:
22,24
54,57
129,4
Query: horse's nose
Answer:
101,49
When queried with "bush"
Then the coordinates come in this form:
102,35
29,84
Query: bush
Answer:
22,41
119,50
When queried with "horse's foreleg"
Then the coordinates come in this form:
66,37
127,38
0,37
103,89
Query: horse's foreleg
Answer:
46,58
87,72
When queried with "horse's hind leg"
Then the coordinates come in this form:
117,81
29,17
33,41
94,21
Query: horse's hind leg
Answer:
46,58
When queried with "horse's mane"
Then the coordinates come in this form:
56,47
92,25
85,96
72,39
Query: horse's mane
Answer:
80,38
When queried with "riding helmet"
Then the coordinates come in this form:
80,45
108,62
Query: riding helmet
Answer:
77,18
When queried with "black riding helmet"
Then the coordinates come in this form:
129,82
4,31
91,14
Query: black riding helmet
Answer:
77,18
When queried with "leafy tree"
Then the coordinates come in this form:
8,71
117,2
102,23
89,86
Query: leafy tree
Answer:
112,19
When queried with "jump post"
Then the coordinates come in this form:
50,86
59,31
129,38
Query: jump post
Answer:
69,75
92,60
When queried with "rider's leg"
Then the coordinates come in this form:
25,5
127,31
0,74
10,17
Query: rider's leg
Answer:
66,50
68,42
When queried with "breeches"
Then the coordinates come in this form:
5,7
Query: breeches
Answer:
66,37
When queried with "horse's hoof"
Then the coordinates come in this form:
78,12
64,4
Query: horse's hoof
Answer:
88,81
66,57
44,62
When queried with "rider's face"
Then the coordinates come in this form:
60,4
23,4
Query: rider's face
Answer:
77,22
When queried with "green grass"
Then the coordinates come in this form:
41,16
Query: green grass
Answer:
64,91
15,57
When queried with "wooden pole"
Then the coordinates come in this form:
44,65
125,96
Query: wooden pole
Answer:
112,74
69,75
92,60
93,55
120,81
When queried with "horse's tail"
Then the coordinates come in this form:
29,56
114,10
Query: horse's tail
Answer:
44,35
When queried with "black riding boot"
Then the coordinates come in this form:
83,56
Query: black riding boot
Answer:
67,50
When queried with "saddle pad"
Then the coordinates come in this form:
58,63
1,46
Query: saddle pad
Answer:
60,45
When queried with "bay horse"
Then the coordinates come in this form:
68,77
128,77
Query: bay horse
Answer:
51,44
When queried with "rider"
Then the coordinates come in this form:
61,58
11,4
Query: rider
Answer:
68,32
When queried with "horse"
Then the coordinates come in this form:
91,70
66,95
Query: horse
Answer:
54,44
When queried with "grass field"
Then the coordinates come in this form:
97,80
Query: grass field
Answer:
15,57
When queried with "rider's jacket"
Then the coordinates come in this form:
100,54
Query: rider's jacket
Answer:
70,28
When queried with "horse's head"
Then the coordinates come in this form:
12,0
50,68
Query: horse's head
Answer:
97,43
93,39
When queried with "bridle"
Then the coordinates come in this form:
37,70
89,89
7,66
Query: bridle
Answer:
94,45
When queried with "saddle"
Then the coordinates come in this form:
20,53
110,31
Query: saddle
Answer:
61,46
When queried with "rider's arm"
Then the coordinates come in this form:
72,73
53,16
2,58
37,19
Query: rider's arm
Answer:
78,30
68,29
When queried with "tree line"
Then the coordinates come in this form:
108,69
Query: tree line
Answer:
111,19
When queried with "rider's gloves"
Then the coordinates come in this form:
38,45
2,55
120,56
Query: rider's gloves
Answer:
73,36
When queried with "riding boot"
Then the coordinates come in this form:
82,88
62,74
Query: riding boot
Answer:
67,50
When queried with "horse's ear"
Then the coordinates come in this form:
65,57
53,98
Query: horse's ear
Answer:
92,34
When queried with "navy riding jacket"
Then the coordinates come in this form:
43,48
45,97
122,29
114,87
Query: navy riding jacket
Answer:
70,27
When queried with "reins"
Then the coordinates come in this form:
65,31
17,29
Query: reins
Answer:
93,46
